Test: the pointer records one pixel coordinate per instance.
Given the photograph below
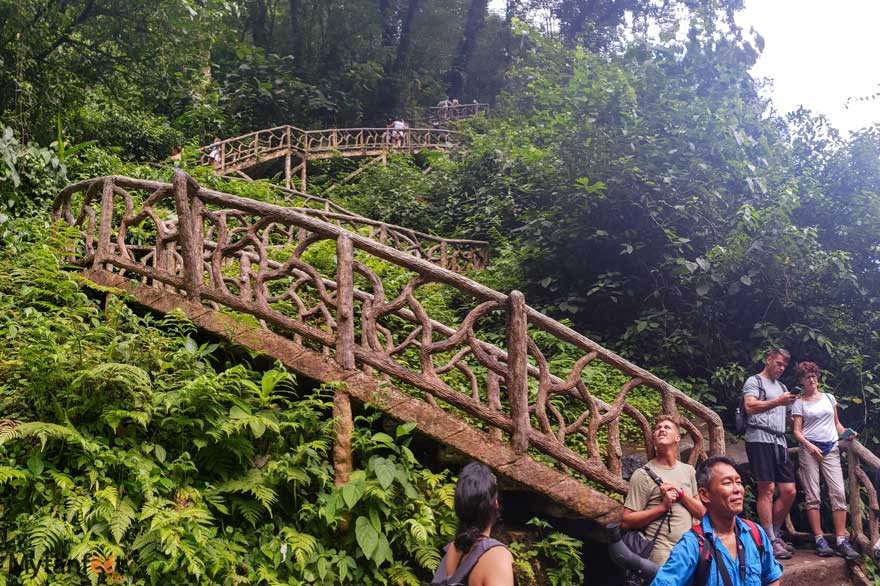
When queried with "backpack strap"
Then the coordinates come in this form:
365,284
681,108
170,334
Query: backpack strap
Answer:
667,516
468,562
756,536
762,394
704,557
657,480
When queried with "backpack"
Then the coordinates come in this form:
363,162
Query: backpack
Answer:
707,555
742,418
461,574
640,545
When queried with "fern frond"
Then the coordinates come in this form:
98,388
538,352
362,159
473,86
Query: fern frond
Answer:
427,555
418,531
46,535
121,519
401,575
251,484
63,481
250,510
302,546
7,474
77,505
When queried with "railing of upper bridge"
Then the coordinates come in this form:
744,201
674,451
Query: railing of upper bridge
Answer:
271,143
372,307
438,115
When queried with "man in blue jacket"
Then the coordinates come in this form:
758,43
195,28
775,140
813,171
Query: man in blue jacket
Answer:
723,550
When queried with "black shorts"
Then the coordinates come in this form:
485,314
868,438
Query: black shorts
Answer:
769,462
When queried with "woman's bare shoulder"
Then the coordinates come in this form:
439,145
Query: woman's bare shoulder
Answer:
495,568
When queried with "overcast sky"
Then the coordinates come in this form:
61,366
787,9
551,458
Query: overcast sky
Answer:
818,53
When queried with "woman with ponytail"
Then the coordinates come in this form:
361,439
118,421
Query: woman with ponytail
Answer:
474,558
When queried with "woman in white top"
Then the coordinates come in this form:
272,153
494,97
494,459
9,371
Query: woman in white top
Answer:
817,429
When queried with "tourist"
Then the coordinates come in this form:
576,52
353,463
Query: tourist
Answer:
398,132
766,401
176,156
474,558
817,429
723,549
214,155
662,500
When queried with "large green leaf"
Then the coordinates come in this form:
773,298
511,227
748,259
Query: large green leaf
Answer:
367,537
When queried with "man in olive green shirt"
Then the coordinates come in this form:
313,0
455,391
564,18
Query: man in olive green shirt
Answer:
670,509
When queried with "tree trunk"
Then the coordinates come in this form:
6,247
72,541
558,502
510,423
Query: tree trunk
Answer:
476,18
388,16
296,15
258,17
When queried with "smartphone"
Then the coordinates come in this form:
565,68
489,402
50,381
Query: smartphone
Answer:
847,433
796,390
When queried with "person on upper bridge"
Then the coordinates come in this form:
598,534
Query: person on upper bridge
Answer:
766,401
474,558
398,132
817,429
214,156
662,499
723,549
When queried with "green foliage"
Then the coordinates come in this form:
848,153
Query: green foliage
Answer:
138,134
30,176
555,557
263,91
133,444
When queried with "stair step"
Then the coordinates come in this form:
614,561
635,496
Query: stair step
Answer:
806,568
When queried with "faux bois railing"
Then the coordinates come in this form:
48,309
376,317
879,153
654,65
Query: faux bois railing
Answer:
439,115
264,145
503,368
455,254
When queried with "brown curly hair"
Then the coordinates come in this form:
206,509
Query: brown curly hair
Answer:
805,369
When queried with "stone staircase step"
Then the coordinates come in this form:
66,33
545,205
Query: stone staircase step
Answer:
806,568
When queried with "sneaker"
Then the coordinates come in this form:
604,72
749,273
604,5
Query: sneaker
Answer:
845,550
823,549
789,546
780,551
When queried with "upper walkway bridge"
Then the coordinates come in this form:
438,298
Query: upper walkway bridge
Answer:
442,115
297,147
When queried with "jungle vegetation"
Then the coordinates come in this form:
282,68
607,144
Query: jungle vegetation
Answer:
632,179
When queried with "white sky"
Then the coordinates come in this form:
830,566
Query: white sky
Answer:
818,53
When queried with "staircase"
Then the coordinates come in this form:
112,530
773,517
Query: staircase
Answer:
251,272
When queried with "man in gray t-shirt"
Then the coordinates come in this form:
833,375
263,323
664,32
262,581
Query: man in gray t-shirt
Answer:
766,402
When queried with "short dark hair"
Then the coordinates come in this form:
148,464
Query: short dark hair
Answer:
704,474
778,351
667,417
805,369
476,495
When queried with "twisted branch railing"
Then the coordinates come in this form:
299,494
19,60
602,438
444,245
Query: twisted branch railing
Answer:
438,115
862,494
264,145
455,254
374,309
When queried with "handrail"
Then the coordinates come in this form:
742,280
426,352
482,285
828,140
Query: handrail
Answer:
271,143
440,114
259,259
859,454
857,481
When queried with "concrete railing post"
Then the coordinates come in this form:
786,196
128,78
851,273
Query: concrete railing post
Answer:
517,371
